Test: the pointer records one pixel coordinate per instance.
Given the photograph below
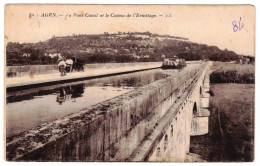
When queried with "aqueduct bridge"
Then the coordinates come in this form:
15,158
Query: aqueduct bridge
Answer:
152,123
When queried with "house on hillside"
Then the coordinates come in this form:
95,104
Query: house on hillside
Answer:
246,60
109,51
90,50
53,55
27,55
135,56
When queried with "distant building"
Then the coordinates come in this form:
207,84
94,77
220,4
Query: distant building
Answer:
53,55
136,56
144,36
245,60
26,55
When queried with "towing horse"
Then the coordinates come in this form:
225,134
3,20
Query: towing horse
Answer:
77,65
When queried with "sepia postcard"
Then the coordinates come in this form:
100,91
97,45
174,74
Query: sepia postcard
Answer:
129,83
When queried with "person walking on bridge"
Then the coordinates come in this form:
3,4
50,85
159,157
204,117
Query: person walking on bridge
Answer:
69,63
62,66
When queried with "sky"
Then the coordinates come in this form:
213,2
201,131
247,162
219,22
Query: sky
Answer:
211,25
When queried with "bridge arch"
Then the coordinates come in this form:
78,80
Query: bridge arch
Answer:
165,142
158,152
171,130
195,109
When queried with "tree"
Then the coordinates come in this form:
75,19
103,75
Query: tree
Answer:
35,54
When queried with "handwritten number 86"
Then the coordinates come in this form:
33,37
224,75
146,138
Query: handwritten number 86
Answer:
237,27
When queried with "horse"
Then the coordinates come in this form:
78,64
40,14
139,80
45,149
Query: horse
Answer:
78,65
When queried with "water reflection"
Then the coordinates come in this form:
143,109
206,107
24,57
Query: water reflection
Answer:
29,108
70,93
49,103
75,88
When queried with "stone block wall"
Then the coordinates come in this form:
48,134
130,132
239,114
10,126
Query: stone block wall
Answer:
94,133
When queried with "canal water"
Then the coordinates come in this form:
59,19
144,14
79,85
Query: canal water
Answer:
28,109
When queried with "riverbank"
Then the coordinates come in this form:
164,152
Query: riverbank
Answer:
231,125
231,121
225,72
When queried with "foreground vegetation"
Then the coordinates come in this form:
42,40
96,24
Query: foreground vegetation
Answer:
231,121
231,125
232,73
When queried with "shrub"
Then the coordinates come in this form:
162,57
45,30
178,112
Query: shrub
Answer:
232,76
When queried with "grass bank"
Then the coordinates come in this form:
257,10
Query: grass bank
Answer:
232,73
231,121
231,125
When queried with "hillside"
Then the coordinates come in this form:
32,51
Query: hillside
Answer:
120,47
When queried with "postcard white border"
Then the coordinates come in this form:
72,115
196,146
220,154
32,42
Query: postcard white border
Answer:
257,83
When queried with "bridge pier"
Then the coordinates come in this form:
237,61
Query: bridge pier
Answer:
200,120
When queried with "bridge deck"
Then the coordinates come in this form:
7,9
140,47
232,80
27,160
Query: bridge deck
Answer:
56,77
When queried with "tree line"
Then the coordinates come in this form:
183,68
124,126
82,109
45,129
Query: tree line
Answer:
124,50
